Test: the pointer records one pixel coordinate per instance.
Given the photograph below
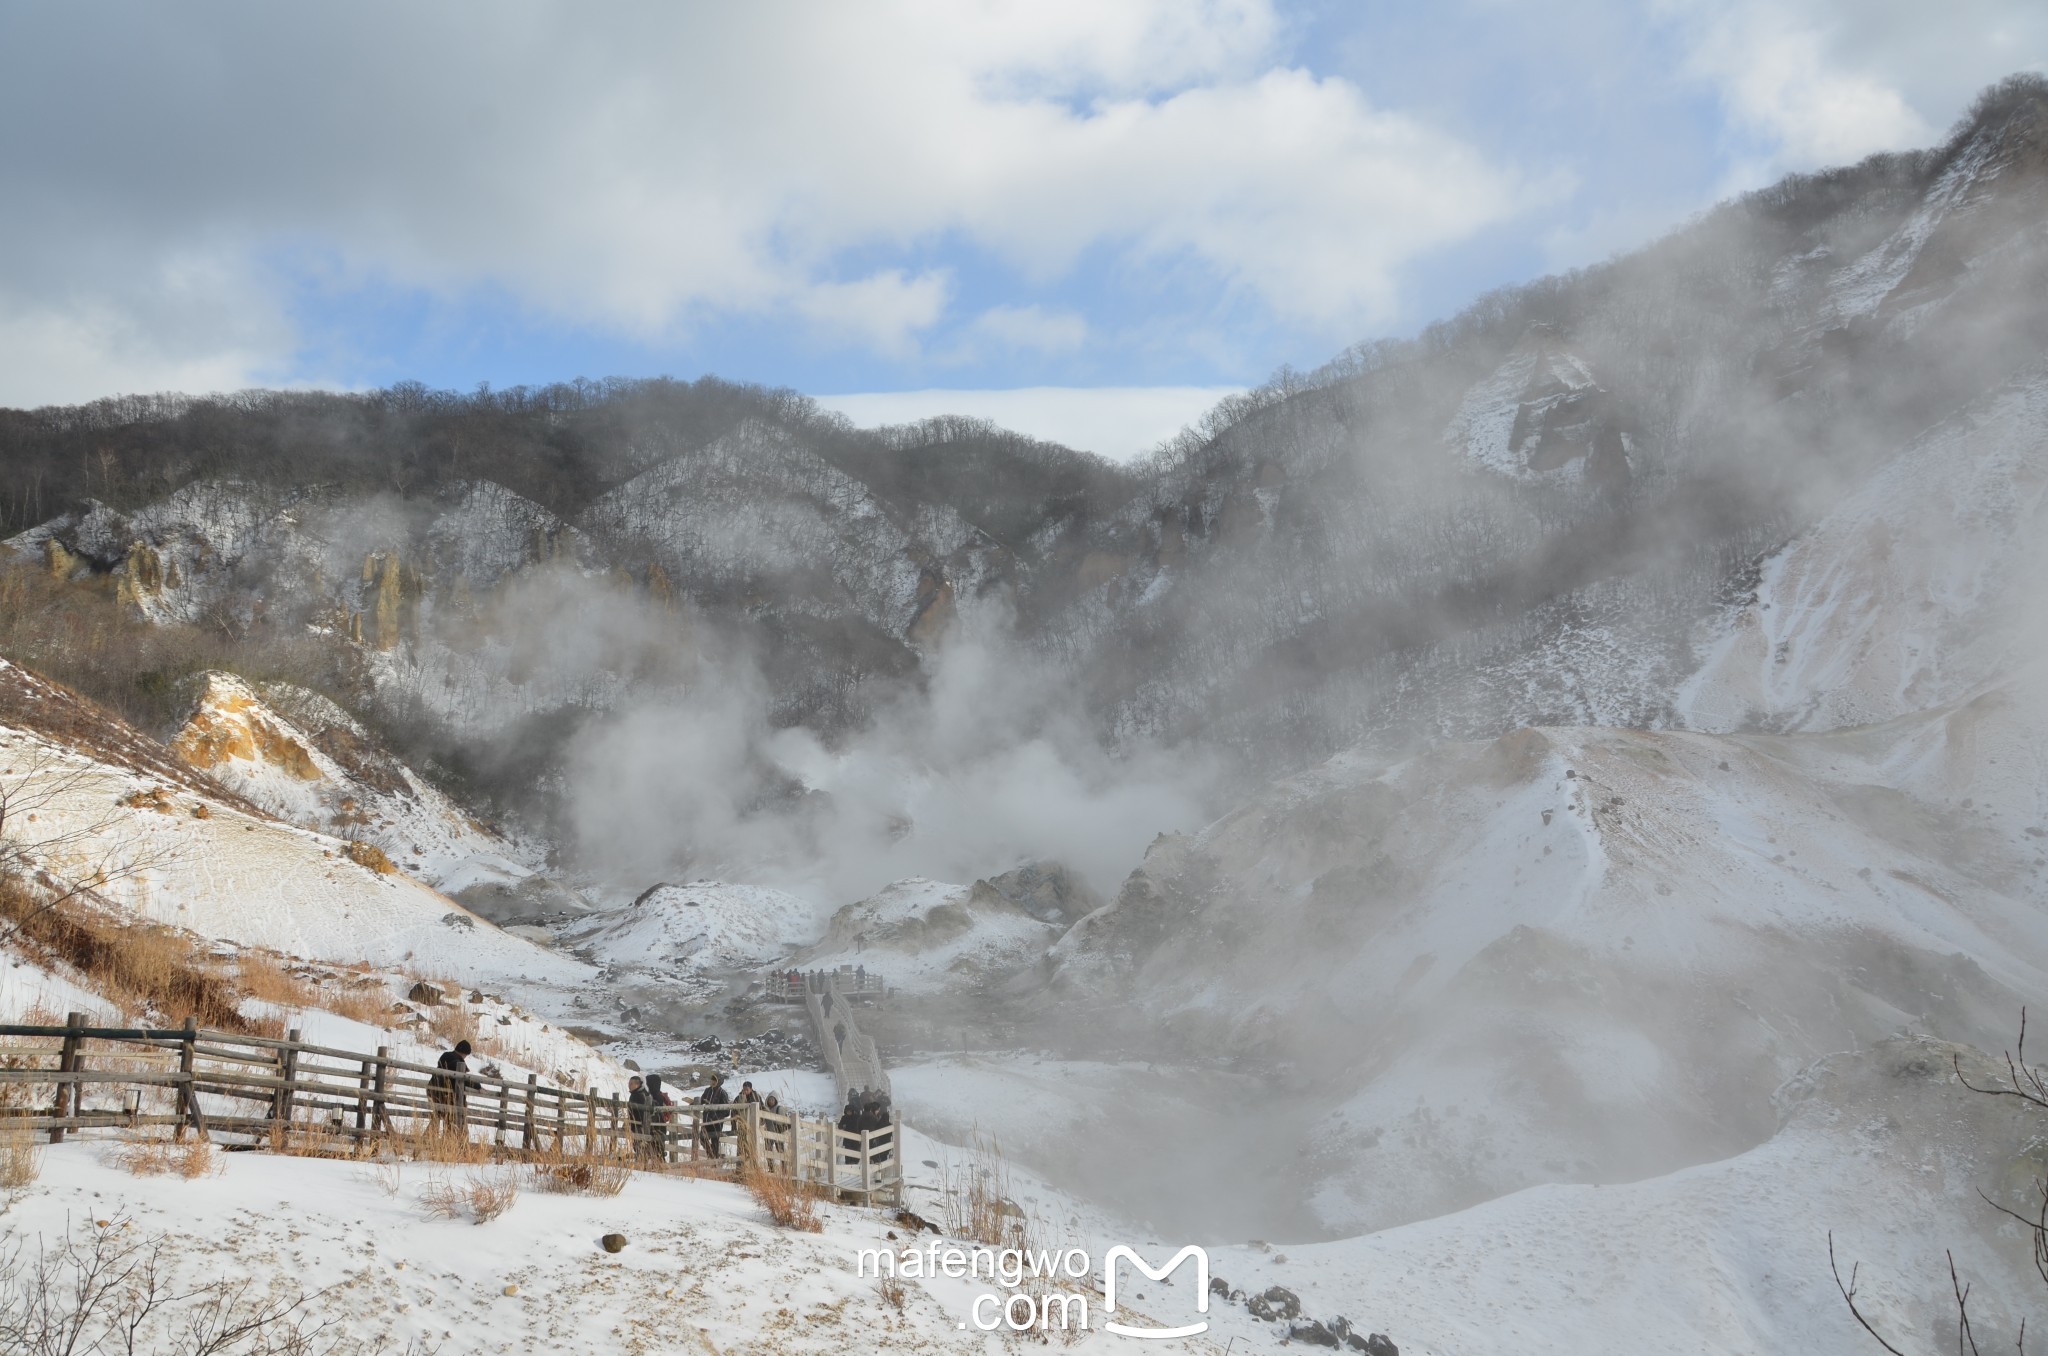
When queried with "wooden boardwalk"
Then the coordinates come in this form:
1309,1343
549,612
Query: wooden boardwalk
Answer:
77,1078
849,1052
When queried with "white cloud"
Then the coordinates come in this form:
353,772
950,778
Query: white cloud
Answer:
1827,82
885,310
641,169
1120,423
1027,329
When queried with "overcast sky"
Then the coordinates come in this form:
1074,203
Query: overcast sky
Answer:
1165,197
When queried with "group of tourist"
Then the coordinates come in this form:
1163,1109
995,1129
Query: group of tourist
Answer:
651,1110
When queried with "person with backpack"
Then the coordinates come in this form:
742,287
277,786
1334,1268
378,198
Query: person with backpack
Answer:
661,1111
448,1090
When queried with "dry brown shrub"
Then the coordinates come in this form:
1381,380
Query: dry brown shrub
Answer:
583,1177
791,1204
441,1198
491,1195
269,979
484,1196
891,1290
370,856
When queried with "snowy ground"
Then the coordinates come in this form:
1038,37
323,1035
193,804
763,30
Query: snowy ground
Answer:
704,1269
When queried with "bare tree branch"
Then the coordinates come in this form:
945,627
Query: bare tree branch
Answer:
1849,1297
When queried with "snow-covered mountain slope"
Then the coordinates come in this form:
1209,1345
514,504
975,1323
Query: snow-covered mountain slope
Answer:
1583,954
756,512
1884,1149
175,846
321,769
231,875
1917,588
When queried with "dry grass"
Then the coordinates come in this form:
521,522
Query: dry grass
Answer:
267,979
389,1175
140,967
891,1290
21,1155
263,979
792,1205
453,1023
978,1196
190,1159
367,1003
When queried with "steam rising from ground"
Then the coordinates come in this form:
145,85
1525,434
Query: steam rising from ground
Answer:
989,765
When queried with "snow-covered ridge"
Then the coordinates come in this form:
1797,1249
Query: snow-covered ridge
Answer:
1583,954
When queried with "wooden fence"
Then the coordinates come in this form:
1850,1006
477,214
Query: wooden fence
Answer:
77,1077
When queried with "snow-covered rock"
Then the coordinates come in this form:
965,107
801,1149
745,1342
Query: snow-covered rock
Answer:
924,936
705,924
319,768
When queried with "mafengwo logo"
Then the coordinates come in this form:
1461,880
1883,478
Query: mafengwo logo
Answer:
1039,1282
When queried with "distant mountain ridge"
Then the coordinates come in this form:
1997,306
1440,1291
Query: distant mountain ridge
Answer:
1546,511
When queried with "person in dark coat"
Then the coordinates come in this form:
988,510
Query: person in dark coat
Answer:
448,1089
640,1114
851,1119
661,1113
712,1113
880,1117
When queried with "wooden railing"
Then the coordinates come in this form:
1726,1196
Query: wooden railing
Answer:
77,1077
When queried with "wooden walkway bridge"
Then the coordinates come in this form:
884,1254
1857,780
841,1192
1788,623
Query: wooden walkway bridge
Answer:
228,1087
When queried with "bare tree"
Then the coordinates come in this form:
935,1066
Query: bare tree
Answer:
63,858
104,1287
2025,1083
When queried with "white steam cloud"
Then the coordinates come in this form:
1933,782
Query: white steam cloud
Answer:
989,766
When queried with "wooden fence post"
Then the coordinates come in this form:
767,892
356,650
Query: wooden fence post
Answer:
527,1134
590,1121
362,1100
287,1072
896,1155
380,1113
867,1175
67,1062
188,1088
